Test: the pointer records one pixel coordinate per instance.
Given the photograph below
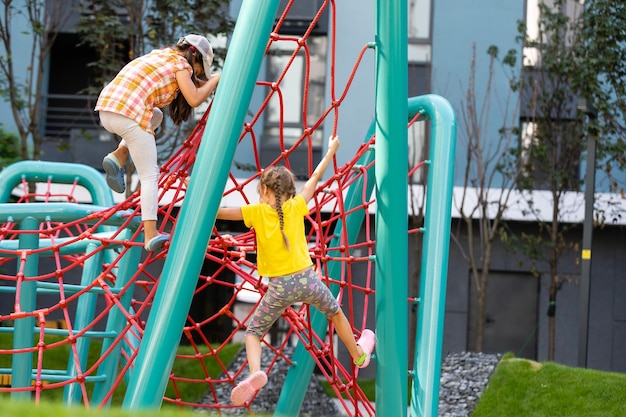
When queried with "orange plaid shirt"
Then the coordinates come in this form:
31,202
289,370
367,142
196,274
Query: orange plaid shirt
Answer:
146,82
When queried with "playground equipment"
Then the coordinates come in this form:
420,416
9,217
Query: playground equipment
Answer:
137,308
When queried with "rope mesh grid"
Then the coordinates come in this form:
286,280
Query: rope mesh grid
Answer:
70,248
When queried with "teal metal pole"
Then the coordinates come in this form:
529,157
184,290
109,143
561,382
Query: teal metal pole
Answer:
22,364
392,310
62,212
61,173
85,311
197,216
116,322
434,271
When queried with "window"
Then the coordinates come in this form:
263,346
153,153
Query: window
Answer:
287,107
300,16
571,8
527,138
419,19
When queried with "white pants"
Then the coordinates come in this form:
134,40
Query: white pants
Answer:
142,148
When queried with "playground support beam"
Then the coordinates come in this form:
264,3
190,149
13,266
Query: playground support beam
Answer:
22,364
434,267
186,253
392,215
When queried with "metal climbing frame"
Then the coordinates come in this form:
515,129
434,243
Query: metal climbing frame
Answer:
183,264
29,217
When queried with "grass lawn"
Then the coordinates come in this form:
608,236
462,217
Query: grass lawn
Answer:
526,388
367,385
48,409
518,387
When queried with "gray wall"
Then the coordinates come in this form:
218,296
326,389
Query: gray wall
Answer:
607,330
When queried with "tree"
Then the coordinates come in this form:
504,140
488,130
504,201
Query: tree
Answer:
22,86
602,80
577,55
122,30
490,176
572,58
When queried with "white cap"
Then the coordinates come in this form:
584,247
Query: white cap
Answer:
201,44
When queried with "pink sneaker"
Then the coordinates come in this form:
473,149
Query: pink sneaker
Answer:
246,388
367,341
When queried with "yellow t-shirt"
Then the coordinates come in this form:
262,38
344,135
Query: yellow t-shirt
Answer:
273,258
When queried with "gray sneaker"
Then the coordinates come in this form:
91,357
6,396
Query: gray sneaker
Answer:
114,173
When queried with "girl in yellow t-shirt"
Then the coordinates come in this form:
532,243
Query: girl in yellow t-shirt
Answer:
283,257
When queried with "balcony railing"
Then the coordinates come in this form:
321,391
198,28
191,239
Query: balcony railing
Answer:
68,112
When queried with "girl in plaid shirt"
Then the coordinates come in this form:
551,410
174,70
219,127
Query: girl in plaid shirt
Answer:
130,106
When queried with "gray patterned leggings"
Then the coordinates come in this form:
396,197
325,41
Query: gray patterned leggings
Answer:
282,292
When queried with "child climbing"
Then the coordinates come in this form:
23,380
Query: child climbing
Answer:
283,257
130,106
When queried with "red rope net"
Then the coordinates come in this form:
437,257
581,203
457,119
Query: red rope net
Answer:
91,294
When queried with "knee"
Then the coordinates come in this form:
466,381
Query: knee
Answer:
335,316
253,332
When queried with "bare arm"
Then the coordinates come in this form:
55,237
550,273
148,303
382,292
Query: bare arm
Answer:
309,187
195,95
229,213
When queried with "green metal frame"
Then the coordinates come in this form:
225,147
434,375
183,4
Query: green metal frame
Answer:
173,297
436,245
29,217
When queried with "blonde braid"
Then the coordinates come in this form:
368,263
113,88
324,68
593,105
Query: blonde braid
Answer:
281,216
282,182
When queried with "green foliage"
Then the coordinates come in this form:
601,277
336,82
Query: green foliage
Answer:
578,57
9,149
121,31
511,58
582,60
526,388
102,28
603,80
549,93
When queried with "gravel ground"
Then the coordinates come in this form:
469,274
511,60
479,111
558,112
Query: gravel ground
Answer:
464,376
316,402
